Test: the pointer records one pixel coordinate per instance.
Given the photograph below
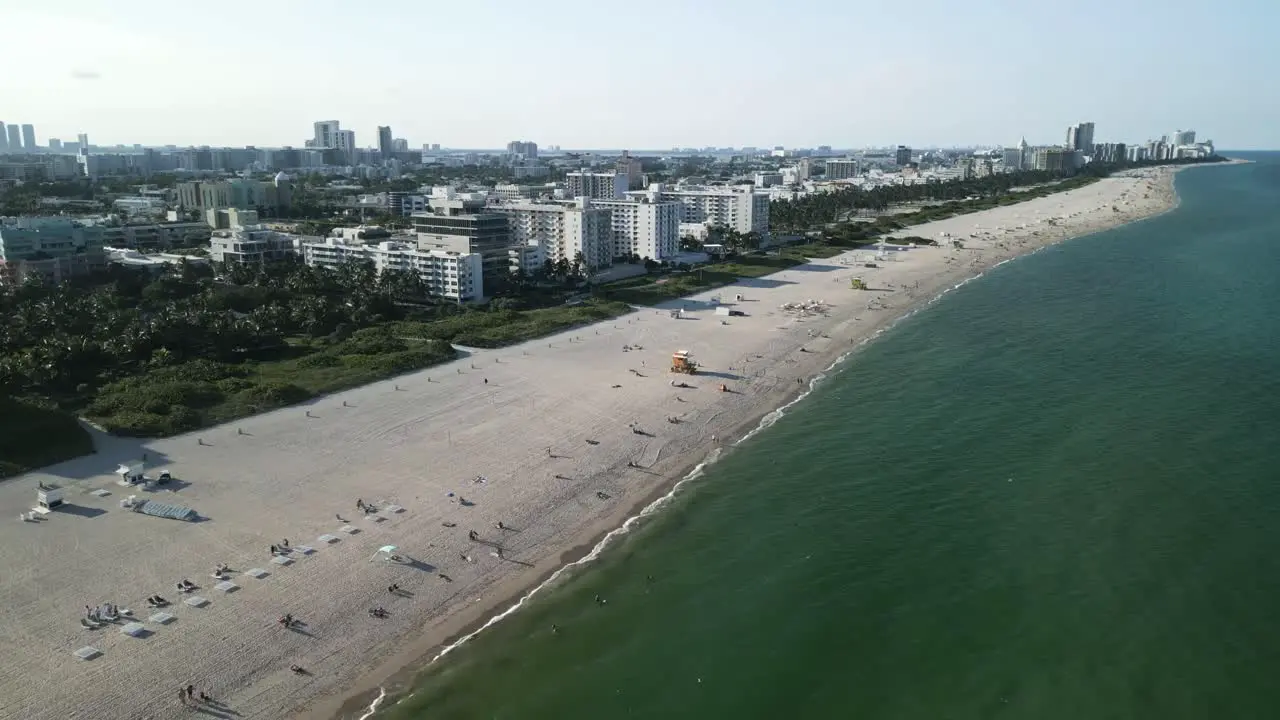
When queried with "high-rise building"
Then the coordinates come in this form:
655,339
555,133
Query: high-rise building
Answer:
645,225
1011,159
346,140
83,139
1054,159
599,186
55,145
521,147
562,230
632,169
325,134
842,169
238,193
4,139
399,145
455,276
462,225
1080,137
804,168
738,207
902,156
29,138
1184,137
15,138
385,145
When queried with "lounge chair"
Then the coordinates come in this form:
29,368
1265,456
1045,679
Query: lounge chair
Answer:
88,625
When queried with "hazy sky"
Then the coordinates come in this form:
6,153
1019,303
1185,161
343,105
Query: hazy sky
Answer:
650,74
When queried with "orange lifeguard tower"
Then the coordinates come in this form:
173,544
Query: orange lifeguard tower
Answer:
682,363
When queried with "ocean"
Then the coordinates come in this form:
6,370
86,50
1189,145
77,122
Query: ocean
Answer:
1051,494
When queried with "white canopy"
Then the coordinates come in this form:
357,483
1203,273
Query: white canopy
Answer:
385,550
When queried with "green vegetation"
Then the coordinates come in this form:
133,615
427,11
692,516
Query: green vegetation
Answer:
654,289
151,357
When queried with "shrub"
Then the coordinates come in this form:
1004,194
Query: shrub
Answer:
271,394
318,360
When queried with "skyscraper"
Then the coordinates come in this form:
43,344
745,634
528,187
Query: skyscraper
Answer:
326,134
384,141
632,168
520,147
902,156
29,138
1080,137
4,139
83,139
15,138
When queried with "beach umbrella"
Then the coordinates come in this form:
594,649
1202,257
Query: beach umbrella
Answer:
387,550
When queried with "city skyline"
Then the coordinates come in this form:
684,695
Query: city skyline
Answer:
959,77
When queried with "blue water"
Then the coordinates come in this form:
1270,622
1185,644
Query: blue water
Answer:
1053,494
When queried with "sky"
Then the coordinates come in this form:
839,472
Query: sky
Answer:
644,75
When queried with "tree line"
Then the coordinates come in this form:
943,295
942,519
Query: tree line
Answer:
816,210
66,339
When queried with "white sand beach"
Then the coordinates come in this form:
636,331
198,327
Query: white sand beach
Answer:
549,425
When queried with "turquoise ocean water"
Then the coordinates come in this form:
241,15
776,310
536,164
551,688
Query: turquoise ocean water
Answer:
1053,494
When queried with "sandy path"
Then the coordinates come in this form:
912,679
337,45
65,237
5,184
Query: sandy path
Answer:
286,475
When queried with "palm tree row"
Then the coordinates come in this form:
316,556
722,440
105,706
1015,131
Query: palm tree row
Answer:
66,339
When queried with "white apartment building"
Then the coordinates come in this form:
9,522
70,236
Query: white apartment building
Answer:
456,276
562,230
251,244
738,207
842,169
645,225
767,178
599,186
155,236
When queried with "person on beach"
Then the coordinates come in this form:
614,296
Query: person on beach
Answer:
473,535
190,689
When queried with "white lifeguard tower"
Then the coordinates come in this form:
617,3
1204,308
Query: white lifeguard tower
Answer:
48,497
131,473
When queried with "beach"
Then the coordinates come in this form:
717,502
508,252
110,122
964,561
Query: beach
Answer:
559,439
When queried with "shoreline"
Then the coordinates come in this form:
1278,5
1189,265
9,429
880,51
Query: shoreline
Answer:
413,442
370,699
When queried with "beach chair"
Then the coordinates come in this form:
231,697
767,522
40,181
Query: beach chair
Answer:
88,625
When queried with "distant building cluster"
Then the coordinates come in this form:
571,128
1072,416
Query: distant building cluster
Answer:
581,210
